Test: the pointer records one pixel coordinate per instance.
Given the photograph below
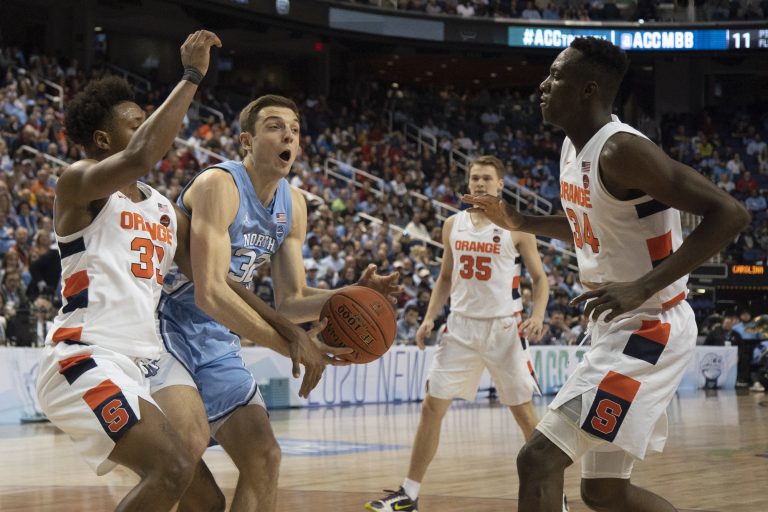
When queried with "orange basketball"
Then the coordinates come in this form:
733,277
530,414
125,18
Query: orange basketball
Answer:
359,318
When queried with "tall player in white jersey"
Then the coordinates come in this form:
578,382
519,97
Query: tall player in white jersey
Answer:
117,239
481,273
621,194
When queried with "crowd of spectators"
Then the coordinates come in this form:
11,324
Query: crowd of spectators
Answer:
356,132
581,10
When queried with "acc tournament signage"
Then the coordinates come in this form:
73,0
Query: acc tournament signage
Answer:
641,39
399,376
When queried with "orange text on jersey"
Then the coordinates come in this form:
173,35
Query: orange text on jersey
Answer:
575,194
463,245
157,232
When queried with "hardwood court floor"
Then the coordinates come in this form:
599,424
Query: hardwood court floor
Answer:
335,459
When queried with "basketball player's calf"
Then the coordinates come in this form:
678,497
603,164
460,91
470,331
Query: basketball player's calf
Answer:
154,451
618,494
248,439
183,406
541,468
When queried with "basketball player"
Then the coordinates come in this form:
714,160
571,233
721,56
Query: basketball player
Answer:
621,194
481,273
117,238
242,215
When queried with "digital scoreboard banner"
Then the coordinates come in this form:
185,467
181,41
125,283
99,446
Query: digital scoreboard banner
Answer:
642,39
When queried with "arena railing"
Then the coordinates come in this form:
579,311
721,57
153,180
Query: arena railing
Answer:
412,236
420,137
58,162
196,147
197,107
132,78
58,98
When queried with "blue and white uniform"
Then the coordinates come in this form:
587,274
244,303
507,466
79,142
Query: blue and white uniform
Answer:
209,351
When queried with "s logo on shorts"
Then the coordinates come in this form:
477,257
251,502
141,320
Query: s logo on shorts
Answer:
111,409
612,401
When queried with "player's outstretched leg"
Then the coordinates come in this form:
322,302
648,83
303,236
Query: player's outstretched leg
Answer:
248,439
541,466
618,494
154,451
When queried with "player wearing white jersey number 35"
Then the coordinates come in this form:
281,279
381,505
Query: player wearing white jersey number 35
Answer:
621,195
117,239
481,272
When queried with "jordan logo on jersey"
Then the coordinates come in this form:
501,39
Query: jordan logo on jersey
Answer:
260,240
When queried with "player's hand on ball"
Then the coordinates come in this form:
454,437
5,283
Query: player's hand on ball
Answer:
196,50
533,329
618,298
496,209
425,329
385,285
328,352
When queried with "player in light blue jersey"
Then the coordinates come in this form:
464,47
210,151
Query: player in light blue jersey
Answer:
242,215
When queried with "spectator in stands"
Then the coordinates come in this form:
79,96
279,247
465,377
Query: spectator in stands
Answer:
465,8
433,7
407,326
14,296
746,184
755,203
735,166
726,183
557,332
720,331
746,337
530,12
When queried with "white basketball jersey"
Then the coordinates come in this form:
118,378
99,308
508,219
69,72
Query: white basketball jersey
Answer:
112,275
616,241
486,270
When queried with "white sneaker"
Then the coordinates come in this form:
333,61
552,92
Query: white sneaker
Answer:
757,388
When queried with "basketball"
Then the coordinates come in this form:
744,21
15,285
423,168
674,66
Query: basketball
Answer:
359,318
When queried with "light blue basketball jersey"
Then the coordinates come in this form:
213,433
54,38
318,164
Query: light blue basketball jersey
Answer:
257,232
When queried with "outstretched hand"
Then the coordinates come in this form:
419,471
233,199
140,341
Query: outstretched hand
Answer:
496,209
385,285
196,50
618,298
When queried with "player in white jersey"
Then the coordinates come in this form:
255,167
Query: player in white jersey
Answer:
481,273
621,194
117,238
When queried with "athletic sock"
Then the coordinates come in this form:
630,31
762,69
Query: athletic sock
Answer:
411,488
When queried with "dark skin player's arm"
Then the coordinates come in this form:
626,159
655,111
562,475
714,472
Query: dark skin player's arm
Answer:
631,166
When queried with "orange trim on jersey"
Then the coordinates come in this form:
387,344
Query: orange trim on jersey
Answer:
655,330
97,395
75,283
516,282
674,301
67,333
660,247
620,385
69,362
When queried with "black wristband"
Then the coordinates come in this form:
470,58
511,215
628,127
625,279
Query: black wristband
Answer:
192,74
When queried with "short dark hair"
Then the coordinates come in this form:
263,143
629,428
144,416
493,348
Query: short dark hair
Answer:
92,108
249,114
410,307
604,55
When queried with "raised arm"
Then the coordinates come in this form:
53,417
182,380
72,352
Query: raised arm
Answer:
442,289
88,180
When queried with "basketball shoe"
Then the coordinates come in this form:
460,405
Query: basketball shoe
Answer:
395,501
